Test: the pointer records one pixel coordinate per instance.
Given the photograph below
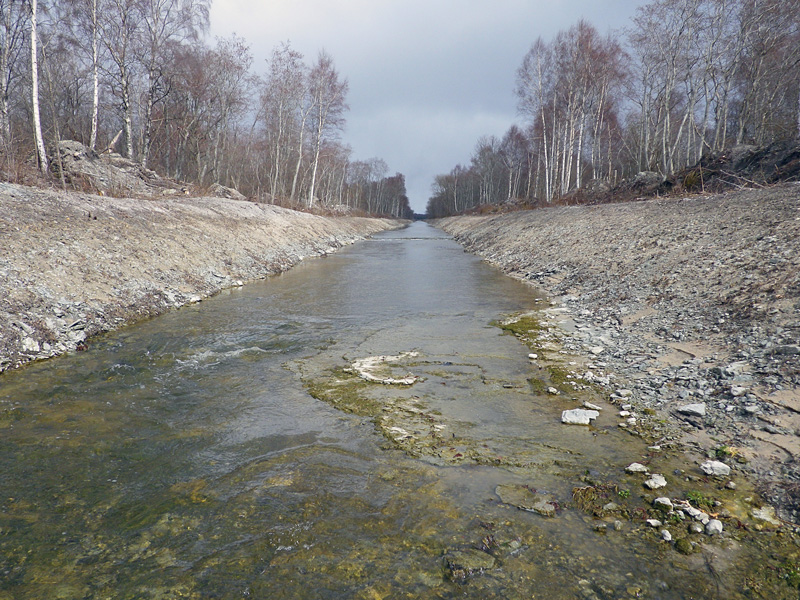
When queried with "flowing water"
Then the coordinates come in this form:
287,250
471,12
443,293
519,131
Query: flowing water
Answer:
185,457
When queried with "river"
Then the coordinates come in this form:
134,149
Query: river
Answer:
190,456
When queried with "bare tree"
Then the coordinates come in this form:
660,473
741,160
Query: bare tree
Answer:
328,102
13,19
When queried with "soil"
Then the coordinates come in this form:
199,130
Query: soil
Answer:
74,265
692,300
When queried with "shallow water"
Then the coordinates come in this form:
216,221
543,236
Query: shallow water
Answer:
184,457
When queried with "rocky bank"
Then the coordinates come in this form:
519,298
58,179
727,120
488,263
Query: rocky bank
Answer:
73,265
692,304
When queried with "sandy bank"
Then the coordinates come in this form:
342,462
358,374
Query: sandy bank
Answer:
74,265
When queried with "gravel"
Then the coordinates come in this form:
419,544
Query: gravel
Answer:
690,302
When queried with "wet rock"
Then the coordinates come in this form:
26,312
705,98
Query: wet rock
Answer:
525,498
715,468
765,513
653,523
714,527
655,482
684,546
663,503
696,527
636,468
462,564
579,416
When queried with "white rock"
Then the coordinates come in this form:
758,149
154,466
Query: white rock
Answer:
698,410
30,345
624,413
766,513
737,391
591,406
579,416
533,356
195,299
666,535
624,393
636,468
596,350
553,391
655,482
713,527
692,511
654,523
715,468
663,502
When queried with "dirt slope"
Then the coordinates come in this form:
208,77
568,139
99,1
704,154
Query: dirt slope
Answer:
73,265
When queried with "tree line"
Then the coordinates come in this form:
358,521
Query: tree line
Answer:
687,78
139,77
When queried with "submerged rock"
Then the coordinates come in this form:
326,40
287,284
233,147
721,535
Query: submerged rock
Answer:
525,498
655,482
461,564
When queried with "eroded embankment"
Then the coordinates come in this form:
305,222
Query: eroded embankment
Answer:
74,265
694,302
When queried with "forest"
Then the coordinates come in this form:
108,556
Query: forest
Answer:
138,77
686,79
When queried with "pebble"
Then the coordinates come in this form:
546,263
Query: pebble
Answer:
666,535
695,527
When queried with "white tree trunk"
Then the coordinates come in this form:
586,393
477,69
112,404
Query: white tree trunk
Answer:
37,122
95,79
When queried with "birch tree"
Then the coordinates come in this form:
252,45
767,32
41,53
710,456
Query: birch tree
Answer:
328,105
41,153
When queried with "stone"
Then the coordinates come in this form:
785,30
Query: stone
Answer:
666,535
714,527
579,416
636,468
697,410
655,482
465,563
525,498
654,523
30,345
695,527
715,468
591,406
684,546
553,391
738,391
765,513
533,356
663,503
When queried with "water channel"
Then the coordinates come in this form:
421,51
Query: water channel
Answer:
190,456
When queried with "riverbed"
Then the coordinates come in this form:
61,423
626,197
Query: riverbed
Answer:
233,449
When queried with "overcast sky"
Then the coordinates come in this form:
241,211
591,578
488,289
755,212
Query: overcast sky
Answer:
427,77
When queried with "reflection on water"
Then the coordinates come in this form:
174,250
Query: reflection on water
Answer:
183,457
